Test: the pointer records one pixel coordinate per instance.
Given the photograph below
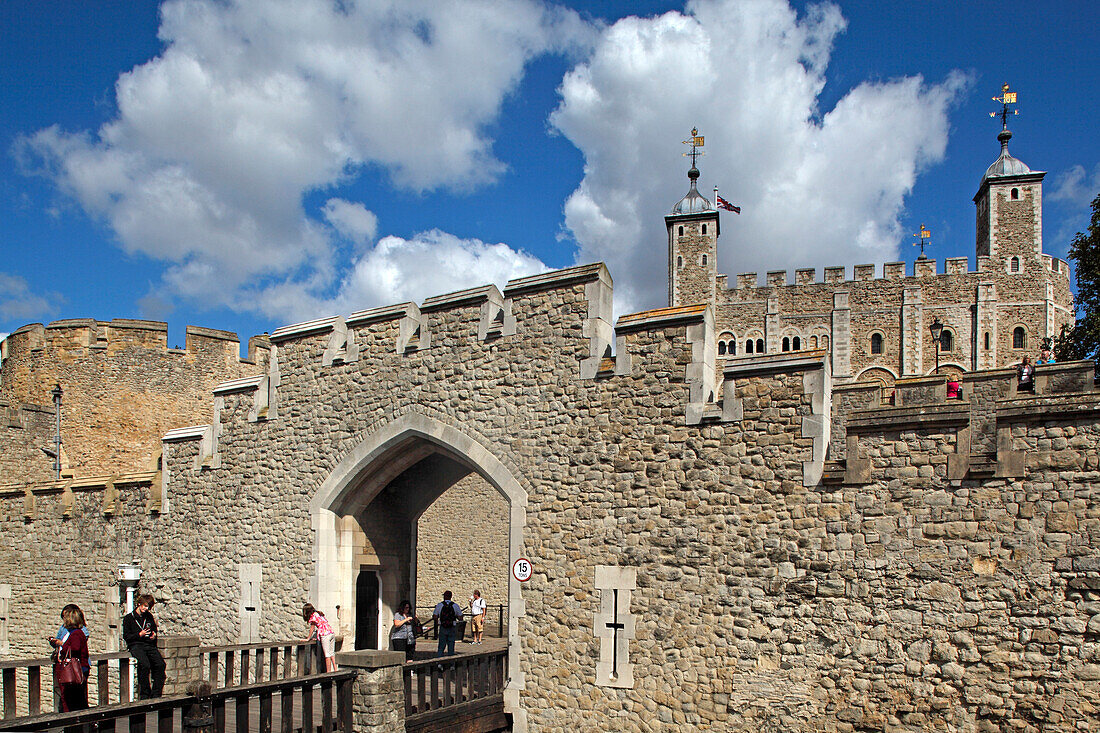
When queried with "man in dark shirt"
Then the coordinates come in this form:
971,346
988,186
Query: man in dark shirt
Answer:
139,629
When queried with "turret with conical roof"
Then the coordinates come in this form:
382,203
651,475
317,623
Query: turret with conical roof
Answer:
1009,203
692,241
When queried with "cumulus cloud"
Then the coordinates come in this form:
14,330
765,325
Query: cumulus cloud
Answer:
351,219
1076,186
18,303
815,189
253,104
398,269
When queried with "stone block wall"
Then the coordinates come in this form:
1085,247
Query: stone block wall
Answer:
910,601
471,516
123,387
25,431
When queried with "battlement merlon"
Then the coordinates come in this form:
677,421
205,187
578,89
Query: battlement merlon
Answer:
891,271
87,335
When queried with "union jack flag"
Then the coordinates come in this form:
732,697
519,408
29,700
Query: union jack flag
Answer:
723,204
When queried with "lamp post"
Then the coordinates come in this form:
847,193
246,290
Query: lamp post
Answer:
56,394
937,331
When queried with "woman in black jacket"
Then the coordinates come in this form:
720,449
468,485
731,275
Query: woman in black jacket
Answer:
139,629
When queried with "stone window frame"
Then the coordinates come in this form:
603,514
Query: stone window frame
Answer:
988,340
704,229
680,231
1021,330
615,585
703,259
948,340
727,344
881,343
1014,265
754,342
679,262
1014,194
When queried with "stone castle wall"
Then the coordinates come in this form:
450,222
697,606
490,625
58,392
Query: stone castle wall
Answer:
26,432
462,546
123,387
915,595
900,308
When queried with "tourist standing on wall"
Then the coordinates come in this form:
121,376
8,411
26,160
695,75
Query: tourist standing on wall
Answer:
447,615
319,629
139,630
71,666
477,615
403,635
1025,374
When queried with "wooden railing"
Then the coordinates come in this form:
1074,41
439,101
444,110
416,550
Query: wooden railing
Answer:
243,707
24,681
108,681
241,664
448,681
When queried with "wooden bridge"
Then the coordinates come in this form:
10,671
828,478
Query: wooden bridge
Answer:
274,687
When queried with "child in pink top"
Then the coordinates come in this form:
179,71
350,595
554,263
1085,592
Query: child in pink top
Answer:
319,629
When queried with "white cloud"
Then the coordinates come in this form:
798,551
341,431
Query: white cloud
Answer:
17,302
1076,186
252,104
815,190
351,220
397,270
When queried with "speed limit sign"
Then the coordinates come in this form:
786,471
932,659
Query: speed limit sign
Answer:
522,569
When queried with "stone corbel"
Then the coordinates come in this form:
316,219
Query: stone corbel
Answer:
341,345
700,372
28,504
67,499
818,385
856,470
958,463
1010,463
414,334
597,327
110,499
733,409
273,381
496,316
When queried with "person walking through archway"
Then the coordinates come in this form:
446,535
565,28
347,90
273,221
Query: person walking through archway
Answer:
447,615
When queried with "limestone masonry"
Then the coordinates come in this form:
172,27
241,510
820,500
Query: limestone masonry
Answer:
806,536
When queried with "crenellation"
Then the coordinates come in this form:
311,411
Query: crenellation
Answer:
776,278
893,270
805,276
924,268
863,273
956,265
834,275
746,280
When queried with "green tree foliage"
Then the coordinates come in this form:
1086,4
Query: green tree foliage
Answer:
1083,340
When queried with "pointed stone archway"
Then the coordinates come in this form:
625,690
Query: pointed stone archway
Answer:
422,456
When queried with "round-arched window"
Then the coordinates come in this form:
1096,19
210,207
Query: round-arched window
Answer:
876,343
947,340
1019,338
1014,264
759,346
796,343
681,231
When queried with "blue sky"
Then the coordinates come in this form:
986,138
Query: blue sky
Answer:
247,165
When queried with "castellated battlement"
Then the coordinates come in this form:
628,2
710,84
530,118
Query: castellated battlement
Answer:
890,272
79,336
123,387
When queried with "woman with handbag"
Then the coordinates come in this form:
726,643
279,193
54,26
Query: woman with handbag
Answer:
72,660
403,634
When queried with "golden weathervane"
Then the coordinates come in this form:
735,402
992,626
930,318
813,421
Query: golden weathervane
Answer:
924,235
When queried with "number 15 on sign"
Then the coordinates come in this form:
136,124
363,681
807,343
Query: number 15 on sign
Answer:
522,569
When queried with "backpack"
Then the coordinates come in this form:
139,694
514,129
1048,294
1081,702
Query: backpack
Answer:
447,615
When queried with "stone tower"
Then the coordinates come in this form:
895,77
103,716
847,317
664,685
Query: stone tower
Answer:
1010,207
692,247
